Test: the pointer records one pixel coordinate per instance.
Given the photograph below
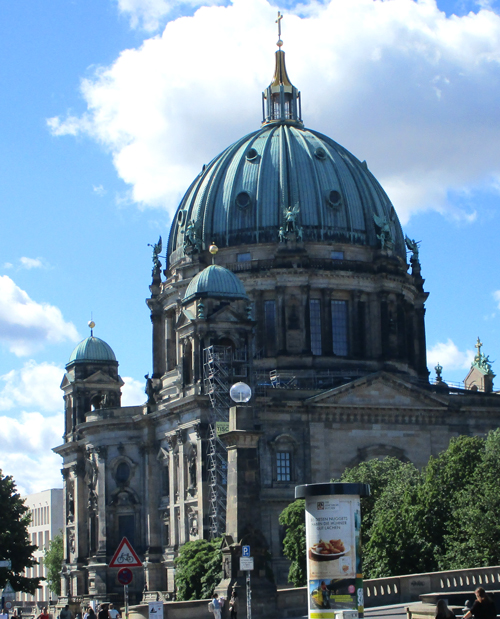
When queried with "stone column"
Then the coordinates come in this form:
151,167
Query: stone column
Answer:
326,323
158,336
154,572
183,533
244,516
172,472
102,453
171,353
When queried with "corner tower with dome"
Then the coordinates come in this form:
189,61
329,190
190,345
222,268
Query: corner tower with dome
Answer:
287,270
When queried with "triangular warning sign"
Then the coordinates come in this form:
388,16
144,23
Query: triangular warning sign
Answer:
125,556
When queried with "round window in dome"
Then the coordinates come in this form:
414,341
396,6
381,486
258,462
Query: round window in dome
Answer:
122,473
243,200
334,198
181,217
320,153
252,154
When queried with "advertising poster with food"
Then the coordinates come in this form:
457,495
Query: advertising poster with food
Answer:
333,556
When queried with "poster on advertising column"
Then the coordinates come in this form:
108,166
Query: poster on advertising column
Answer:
333,528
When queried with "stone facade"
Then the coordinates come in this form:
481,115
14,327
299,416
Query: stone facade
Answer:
315,306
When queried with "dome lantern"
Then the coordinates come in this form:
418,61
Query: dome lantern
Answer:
281,100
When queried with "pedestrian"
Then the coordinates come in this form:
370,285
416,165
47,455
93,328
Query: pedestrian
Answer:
233,604
66,613
443,612
217,606
113,613
90,613
103,612
483,607
44,614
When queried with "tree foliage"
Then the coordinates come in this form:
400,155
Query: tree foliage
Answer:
446,516
53,559
294,543
198,569
14,538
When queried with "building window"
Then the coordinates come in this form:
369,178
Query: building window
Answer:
246,257
126,528
339,328
122,473
315,324
270,324
283,470
337,255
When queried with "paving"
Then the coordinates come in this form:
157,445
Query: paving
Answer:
397,611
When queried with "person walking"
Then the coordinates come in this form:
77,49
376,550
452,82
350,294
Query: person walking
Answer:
217,606
233,605
113,613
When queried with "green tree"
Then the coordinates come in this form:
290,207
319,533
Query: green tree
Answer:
473,537
53,559
14,539
198,569
294,543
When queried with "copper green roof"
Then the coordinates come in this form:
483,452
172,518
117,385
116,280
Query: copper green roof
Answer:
215,282
92,349
240,196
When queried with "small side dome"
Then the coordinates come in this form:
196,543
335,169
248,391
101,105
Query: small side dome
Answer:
92,349
215,282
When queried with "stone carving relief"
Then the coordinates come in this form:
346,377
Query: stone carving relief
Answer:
91,472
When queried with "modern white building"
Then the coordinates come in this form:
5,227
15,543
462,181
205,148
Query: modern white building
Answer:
46,522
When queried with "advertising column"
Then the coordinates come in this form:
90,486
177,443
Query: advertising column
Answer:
333,530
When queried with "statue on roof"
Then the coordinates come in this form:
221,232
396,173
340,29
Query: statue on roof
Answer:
413,247
384,235
157,247
481,361
192,237
290,216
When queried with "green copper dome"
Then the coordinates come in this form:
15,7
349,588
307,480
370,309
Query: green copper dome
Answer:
92,349
241,197
215,282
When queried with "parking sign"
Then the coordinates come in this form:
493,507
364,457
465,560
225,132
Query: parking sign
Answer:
245,551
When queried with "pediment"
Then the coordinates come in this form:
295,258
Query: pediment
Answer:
101,377
66,381
379,390
185,318
226,314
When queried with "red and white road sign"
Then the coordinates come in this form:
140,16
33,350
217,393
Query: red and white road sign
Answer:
125,556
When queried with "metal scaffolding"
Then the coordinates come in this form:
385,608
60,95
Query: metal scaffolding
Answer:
221,367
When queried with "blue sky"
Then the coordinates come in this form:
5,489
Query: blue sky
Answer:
110,108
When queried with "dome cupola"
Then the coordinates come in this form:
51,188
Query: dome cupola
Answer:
215,282
92,349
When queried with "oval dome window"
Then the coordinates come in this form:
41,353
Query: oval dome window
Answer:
320,153
243,200
181,217
122,473
334,198
252,154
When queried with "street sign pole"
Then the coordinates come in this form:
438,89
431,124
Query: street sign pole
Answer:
249,597
125,596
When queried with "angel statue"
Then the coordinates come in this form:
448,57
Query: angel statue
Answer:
290,215
385,235
413,247
191,236
157,247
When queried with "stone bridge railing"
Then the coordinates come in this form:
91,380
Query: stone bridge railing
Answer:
403,589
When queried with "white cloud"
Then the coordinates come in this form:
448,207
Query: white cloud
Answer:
399,84
25,325
33,386
99,190
149,13
449,356
496,296
8,265
26,450
133,392
31,263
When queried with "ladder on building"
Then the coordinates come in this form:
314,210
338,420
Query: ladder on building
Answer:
220,367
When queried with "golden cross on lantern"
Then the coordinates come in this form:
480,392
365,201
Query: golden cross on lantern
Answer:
278,21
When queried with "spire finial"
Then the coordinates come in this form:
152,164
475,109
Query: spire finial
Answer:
91,324
478,345
278,21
